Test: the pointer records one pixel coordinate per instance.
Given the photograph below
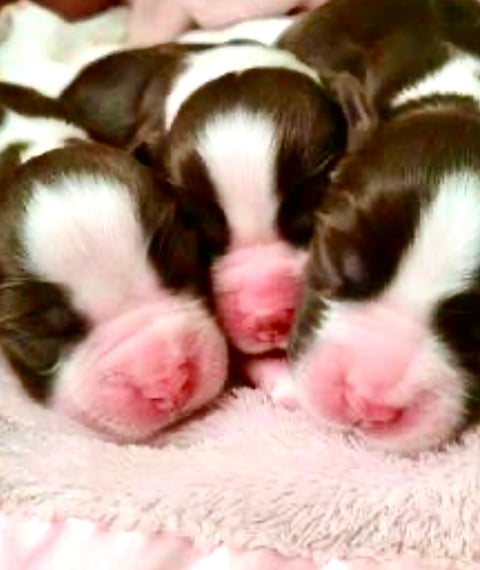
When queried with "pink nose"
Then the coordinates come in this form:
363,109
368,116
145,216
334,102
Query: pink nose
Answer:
150,375
257,316
256,293
146,368
357,379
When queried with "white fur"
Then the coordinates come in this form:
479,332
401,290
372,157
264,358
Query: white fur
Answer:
239,150
458,76
265,30
41,134
446,250
212,64
441,260
83,232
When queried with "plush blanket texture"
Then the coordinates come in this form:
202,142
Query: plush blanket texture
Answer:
243,486
248,476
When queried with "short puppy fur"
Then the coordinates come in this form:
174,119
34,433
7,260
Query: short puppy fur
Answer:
104,299
385,341
246,135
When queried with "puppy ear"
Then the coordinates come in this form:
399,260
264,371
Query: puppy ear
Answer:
106,96
358,109
36,324
29,102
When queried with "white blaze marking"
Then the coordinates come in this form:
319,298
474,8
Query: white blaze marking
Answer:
83,232
445,252
459,76
213,63
239,150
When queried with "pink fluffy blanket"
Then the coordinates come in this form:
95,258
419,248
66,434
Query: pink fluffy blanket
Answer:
254,486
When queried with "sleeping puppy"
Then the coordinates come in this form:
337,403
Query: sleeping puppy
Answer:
383,43
246,135
387,45
387,337
103,292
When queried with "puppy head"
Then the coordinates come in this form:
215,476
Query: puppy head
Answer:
386,339
249,154
102,299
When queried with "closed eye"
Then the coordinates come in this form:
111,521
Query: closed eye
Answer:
324,163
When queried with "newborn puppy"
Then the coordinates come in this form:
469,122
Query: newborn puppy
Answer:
387,337
103,310
247,136
251,166
385,44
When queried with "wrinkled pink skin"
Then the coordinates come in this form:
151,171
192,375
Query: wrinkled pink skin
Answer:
141,371
156,21
257,290
379,371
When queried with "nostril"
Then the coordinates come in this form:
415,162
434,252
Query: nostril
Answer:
161,391
170,390
272,330
273,325
255,324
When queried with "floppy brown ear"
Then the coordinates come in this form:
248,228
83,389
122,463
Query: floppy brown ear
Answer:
358,109
29,102
106,96
36,323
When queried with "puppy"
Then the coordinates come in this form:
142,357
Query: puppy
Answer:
246,135
386,340
103,291
385,44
